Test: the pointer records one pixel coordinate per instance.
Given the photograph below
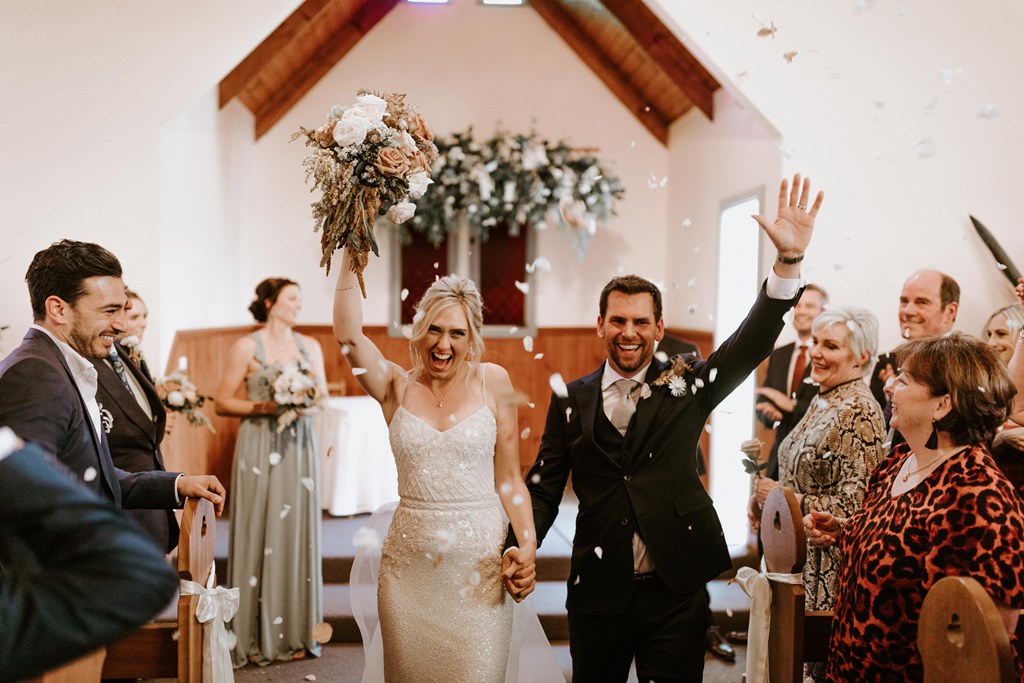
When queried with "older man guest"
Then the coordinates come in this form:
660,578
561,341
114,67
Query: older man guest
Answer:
48,384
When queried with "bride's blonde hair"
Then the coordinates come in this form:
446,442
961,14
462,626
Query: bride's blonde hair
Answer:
445,292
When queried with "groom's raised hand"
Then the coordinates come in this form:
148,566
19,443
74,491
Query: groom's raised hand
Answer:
519,579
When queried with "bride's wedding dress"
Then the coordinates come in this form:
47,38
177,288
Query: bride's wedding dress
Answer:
444,614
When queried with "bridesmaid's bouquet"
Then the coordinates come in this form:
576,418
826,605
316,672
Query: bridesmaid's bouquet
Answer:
294,393
179,395
370,158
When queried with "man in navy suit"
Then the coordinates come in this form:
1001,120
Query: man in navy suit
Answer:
48,385
647,536
789,367
77,573
134,419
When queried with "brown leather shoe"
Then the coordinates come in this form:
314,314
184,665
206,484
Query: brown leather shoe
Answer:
736,637
716,645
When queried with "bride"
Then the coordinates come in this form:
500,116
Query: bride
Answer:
441,590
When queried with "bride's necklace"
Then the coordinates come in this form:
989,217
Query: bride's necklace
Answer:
440,401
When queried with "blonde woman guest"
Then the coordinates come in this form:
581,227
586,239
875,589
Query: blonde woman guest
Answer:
830,454
274,552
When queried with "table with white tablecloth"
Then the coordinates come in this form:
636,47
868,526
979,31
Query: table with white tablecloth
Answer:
357,469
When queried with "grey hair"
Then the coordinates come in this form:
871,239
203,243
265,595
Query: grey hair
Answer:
445,292
862,326
1014,315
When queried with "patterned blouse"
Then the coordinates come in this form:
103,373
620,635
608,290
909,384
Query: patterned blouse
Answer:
963,519
828,457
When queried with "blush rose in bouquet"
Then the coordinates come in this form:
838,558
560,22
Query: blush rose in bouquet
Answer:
294,392
369,159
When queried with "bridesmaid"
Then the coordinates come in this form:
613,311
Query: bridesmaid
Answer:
274,552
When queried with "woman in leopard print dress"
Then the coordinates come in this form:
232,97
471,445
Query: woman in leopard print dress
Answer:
937,506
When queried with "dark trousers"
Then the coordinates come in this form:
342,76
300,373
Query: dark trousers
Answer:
663,630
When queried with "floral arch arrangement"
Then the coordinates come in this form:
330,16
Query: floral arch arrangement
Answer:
511,181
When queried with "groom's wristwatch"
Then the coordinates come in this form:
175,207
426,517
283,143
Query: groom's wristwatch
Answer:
790,260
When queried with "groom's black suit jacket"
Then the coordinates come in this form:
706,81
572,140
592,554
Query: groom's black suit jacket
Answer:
134,439
647,481
39,401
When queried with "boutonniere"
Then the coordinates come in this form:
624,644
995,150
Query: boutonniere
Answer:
106,419
674,378
131,343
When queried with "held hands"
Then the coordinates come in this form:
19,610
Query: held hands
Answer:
519,572
762,487
822,529
792,228
205,486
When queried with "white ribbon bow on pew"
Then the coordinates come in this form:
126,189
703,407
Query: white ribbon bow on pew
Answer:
755,584
216,606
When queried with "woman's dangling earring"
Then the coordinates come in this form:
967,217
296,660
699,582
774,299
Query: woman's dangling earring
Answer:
933,440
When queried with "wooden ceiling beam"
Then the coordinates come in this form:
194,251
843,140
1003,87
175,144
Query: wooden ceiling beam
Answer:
290,29
664,47
564,24
329,54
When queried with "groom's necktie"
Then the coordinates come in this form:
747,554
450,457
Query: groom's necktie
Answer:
115,361
624,406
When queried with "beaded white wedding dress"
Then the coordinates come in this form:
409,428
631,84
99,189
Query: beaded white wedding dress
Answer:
444,614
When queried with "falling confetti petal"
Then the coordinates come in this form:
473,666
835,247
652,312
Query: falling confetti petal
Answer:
174,636
268,551
366,538
837,266
308,483
768,30
505,489
535,479
947,75
528,343
407,331
526,534
405,294
925,149
931,107
558,385
568,413
712,374
661,355
1001,266
285,510
577,581
358,371
540,263
256,471
850,326
686,223
253,581
525,434
598,551
691,283
698,382
311,677
436,264
452,418
513,330
278,621
788,56
274,458
517,499
523,287
538,356
786,151
89,474
989,111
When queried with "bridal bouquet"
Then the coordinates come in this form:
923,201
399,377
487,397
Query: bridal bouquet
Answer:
179,395
294,392
369,158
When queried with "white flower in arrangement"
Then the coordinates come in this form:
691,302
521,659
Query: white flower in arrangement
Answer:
677,385
406,142
534,157
419,181
178,394
129,342
401,212
350,132
294,392
176,399
367,106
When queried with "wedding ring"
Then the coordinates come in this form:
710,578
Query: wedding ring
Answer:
802,207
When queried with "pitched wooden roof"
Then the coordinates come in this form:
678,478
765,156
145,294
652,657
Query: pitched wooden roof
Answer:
636,56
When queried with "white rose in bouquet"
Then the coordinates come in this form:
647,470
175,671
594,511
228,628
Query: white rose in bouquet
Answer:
352,131
418,183
401,212
367,107
176,398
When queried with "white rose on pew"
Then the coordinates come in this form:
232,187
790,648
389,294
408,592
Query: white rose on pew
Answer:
401,212
176,398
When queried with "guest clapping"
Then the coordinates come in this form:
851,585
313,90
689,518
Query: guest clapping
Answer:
830,454
937,506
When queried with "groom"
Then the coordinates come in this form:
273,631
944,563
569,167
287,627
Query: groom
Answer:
647,536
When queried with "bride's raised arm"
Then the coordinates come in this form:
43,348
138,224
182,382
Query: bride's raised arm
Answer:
375,374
